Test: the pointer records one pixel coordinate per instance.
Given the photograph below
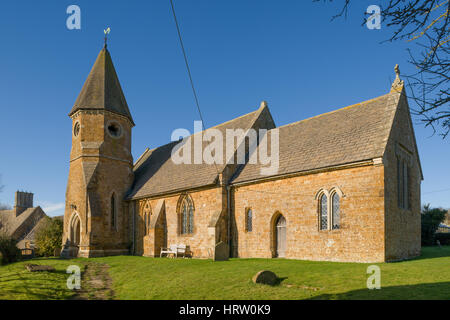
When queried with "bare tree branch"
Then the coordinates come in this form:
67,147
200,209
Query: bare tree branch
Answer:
426,24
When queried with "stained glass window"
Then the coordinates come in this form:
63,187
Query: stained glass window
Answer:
191,218
187,217
184,215
147,215
336,213
323,213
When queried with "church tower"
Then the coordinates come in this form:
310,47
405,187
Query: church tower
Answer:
101,166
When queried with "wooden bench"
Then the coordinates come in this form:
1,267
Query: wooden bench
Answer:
174,250
27,253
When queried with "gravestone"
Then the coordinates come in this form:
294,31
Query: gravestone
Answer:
221,252
265,277
39,268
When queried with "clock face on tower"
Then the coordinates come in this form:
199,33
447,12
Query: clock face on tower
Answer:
76,129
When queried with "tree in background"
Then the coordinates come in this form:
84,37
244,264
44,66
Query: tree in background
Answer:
426,23
8,249
49,237
431,218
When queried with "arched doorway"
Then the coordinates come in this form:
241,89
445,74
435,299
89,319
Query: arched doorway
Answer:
75,234
280,237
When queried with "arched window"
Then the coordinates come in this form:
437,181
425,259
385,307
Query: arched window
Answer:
335,210
249,220
187,216
145,224
147,213
323,212
113,211
403,183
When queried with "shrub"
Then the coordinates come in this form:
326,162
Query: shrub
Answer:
49,237
8,249
431,218
444,238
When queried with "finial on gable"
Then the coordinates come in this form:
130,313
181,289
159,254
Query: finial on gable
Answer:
397,85
263,104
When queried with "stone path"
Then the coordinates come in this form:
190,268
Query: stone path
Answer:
96,284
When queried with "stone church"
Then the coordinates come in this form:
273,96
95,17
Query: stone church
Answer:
347,186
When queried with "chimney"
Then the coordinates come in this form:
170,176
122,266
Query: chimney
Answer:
23,201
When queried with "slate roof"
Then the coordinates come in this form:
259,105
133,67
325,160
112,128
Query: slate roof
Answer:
355,133
10,224
351,134
32,234
156,173
102,90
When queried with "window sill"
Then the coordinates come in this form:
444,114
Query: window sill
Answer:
186,235
331,230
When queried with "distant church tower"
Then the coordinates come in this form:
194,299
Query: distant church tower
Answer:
101,166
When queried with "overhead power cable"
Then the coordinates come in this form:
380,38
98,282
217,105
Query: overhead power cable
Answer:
187,64
189,71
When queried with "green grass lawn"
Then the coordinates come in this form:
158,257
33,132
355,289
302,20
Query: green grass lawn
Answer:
19,284
427,277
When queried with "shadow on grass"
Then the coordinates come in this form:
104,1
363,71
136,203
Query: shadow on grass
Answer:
424,291
279,281
35,293
30,276
16,282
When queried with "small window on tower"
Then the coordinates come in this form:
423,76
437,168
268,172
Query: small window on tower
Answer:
114,130
76,129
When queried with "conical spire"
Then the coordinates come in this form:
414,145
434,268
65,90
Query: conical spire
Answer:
102,90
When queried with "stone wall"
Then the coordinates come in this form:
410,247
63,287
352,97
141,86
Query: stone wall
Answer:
100,166
361,234
201,242
402,225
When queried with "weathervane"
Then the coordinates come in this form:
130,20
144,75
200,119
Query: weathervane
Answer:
106,31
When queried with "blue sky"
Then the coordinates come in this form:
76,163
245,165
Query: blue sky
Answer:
240,52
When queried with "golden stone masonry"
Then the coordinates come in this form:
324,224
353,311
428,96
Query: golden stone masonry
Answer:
347,188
